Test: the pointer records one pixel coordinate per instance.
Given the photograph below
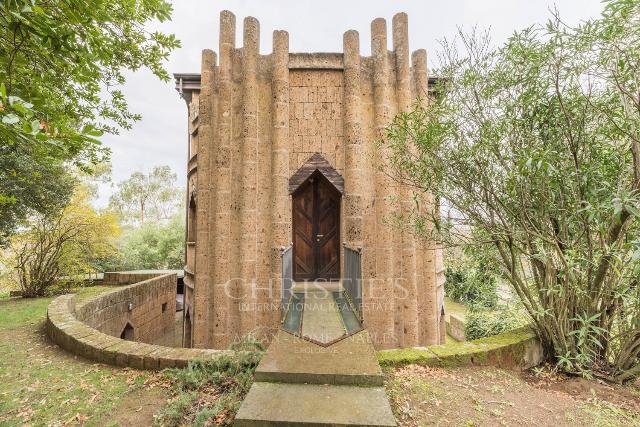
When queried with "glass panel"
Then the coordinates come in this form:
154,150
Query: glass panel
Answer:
350,320
294,314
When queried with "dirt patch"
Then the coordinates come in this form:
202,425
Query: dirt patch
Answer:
137,409
627,397
490,396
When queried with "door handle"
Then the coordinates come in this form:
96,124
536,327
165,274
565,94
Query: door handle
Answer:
318,236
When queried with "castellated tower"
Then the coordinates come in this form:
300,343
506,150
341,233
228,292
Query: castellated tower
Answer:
282,152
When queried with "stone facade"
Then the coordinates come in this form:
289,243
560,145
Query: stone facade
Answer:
254,120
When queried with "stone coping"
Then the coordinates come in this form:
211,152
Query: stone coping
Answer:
518,349
75,336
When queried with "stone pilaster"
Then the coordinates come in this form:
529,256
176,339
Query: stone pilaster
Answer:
203,285
353,206
429,318
222,321
280,205
403,92
385,258
248,190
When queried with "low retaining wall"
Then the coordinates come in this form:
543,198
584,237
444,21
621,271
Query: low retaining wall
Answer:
65,327
518,349
126,278
455,327
148,307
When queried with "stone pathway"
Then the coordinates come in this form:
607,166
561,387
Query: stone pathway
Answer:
322,321
300,382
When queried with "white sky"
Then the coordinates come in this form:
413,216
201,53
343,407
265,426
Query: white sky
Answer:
160,138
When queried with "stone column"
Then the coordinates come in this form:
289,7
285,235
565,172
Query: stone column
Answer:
203,283
353,206
384,234
222,321
403,90
428,310
250,52
280,204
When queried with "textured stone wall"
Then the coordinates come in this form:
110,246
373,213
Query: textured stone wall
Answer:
64,329
125,278
315,117
152,313
259,118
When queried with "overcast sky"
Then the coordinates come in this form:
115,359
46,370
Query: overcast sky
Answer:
160,138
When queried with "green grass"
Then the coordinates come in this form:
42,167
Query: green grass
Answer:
41,384
17,312
453,307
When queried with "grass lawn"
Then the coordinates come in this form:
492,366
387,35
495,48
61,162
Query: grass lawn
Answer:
41,384
455,308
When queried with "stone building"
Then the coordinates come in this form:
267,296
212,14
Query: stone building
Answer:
282,166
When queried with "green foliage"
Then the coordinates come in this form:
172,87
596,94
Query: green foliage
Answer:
61,66
152,246
471,279
481,323
29,184
210,392
535,146
55,252
153,196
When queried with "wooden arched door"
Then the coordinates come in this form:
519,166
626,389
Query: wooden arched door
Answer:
316,230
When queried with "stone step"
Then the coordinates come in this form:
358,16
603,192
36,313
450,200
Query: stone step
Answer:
291,359
273,404
317,286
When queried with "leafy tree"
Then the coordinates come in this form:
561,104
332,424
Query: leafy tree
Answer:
58,60
536,147
150,246
29,185
153,196
57,250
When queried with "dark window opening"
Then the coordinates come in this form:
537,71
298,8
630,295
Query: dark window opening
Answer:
127,332
164,307
186,341
191,220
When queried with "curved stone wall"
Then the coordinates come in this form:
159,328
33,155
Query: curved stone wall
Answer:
147,309
93,329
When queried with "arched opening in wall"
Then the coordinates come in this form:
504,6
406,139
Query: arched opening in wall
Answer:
128,332
186,338
191,219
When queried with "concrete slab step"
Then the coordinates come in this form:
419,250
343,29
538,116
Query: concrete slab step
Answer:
317,286
277,404
291,359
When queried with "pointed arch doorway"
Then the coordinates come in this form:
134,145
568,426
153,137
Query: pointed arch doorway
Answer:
316,197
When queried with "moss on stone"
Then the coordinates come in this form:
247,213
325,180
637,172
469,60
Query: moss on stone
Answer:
507,349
